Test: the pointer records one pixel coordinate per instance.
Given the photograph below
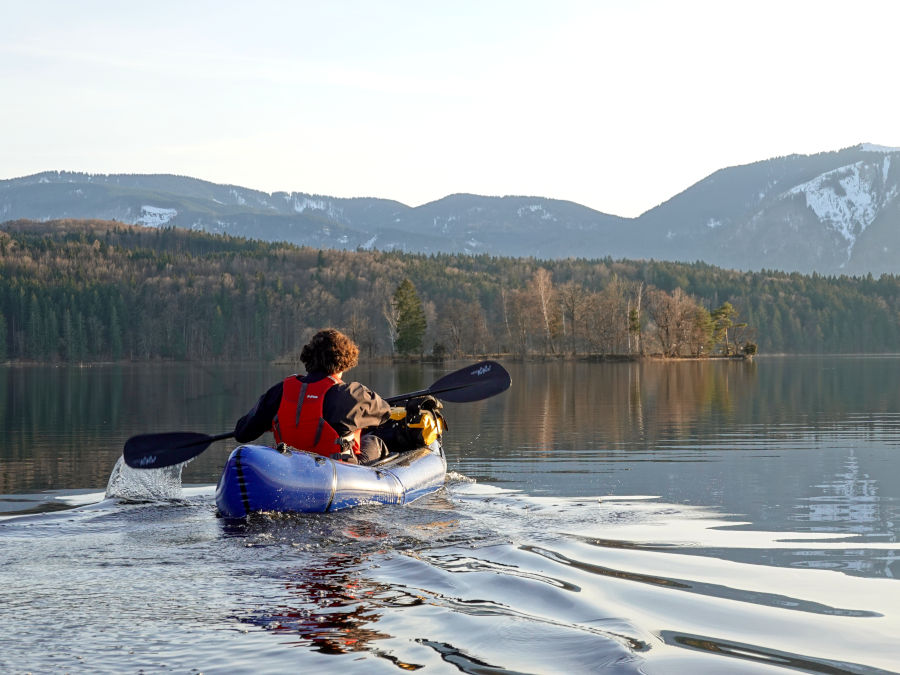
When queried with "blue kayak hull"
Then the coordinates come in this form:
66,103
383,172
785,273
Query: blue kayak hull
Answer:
260,478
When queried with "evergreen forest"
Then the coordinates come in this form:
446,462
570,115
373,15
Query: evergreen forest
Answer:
90,291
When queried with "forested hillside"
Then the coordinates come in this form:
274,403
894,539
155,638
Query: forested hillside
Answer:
83,291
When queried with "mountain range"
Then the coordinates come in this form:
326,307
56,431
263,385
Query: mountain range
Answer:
831,213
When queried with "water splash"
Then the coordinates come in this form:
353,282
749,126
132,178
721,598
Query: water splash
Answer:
453,477
144,485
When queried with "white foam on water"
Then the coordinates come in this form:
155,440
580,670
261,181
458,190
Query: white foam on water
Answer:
80,499
141,485
454,477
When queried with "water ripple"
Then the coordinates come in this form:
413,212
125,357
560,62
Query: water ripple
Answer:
715,590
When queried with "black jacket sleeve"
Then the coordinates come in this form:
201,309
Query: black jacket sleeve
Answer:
259,420
351,406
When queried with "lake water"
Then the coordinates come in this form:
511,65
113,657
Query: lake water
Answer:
711,517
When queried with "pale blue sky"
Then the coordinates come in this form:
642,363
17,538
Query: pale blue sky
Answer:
615,105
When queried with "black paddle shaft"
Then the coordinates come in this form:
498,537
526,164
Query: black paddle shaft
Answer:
473,383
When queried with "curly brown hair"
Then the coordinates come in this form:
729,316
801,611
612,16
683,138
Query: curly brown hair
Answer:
329,351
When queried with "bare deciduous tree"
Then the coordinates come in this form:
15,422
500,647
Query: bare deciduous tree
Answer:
541,286
673,314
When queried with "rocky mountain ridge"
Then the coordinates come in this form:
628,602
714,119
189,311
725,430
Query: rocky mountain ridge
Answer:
831,213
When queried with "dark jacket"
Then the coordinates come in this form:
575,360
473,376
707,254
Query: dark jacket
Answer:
347,407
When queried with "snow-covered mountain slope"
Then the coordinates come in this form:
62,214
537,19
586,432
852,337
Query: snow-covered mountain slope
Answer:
832,213
847,200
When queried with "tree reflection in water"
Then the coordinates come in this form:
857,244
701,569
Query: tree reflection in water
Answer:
332,609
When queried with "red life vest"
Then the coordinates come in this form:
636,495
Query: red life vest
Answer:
299,422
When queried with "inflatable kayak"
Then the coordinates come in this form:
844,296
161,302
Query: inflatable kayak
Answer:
260,478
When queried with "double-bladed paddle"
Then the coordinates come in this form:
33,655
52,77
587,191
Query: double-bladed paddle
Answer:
472,383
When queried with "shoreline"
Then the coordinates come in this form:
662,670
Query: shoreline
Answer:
396,359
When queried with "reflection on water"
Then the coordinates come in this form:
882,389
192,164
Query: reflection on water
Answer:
683,405
802,445
654,518
332,610
701,588
753,653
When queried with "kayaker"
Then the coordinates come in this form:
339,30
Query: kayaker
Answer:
319,412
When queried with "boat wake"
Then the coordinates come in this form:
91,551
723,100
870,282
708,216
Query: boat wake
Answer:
473,577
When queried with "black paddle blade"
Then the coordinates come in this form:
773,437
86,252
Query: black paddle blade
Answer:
155,451
473,383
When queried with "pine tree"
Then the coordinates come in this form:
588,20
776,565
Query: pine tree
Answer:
115,334
723,320
68,336
217,332
51,333
2,339
79,348
35,336
411,323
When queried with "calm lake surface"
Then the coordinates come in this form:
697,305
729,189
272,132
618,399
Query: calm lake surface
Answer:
713,517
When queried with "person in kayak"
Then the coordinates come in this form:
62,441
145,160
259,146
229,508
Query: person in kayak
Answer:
319,412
